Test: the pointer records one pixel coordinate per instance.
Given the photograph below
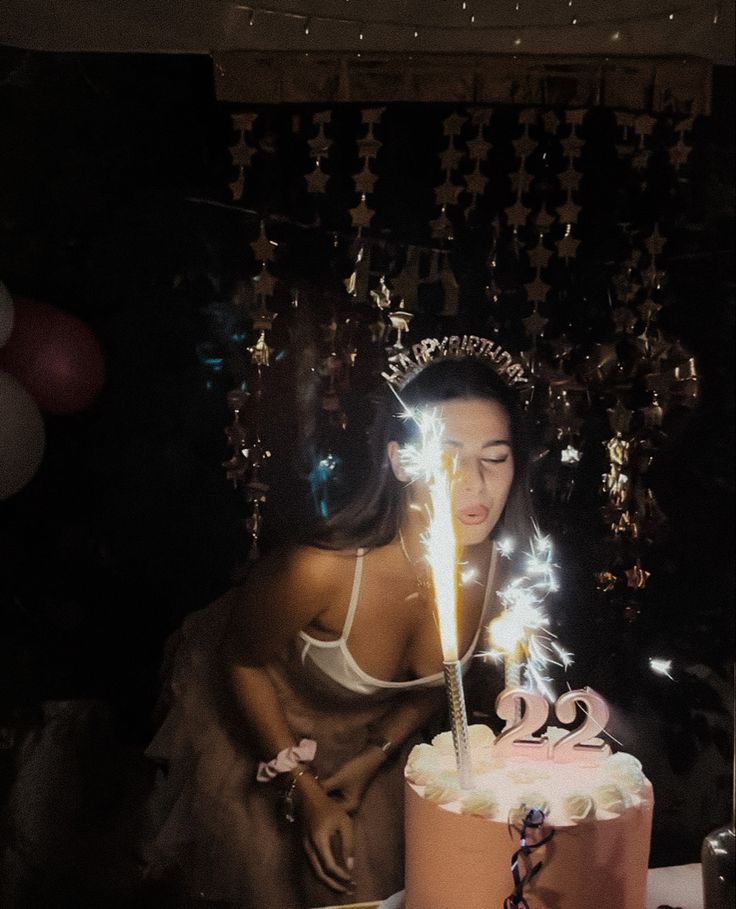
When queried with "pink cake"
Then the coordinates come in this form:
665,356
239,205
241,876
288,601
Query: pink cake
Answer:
459,843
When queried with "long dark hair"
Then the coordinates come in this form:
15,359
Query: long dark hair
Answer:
373,517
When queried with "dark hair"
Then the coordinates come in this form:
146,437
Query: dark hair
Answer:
373,517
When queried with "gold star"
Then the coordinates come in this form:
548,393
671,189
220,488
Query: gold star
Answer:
365,181
368,147
244,121
536,290
361,215
619,419
241,153
648,309
264,283
679,154
551,122
476,182
524,146
636,576
605,581
481,116
521,181
644,124
655,243
317,180
539,256
452,125
572,146
450,158
447,193
528,116
262,247
570,179
567,247
534,324
479,148
517,214
569,211
575,117
544,220
372,114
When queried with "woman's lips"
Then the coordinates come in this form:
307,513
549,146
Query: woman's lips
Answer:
473,514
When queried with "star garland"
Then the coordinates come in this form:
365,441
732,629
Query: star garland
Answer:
448,192
241,153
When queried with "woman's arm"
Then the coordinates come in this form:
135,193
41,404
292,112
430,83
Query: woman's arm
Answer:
282,596
351,781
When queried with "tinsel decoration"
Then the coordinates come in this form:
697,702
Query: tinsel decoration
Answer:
319,148
241,152
448,192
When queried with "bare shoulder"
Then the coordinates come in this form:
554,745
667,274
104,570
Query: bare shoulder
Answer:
285,592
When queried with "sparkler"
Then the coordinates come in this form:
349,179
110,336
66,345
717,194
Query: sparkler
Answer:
521,635
431,462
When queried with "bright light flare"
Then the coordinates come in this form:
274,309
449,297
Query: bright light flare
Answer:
431,462
661,666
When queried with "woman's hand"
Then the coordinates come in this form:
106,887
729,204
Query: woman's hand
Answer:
328,837
348,784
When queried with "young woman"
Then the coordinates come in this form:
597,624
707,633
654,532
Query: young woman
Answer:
318,675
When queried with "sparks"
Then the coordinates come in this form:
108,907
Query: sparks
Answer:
521,635
660,666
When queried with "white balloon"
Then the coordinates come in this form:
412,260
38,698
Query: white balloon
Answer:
22,436
7,314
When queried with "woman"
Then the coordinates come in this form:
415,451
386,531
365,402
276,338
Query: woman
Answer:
319,674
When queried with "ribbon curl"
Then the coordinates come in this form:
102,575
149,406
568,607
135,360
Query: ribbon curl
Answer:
533,820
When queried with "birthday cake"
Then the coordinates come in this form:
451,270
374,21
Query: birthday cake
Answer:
588,822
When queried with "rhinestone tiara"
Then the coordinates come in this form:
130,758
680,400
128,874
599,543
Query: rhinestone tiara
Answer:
405,364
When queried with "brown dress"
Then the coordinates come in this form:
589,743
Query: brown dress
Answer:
225,832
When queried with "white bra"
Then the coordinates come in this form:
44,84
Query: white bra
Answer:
334,660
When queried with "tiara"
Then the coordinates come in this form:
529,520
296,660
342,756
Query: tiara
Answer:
404,365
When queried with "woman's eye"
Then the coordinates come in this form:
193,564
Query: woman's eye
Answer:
501,460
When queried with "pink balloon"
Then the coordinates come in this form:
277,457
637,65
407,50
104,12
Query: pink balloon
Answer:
55,356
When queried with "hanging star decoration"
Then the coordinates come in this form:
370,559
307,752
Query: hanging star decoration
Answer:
636,576
241,153
319,147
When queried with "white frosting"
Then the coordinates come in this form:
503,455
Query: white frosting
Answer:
506,788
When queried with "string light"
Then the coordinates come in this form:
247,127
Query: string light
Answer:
397,23
517,42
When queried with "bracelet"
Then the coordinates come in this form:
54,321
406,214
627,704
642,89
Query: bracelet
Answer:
288,796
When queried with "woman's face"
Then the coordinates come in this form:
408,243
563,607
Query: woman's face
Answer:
478,434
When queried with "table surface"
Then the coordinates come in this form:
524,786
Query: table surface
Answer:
679,886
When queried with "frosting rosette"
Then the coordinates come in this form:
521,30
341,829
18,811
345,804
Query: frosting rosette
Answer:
610,797
443,787
625,770
422,765
579,807
482,803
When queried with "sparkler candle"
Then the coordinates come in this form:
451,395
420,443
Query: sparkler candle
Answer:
521,634
432,463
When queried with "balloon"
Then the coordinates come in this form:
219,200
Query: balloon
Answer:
55,356
22,436
7,314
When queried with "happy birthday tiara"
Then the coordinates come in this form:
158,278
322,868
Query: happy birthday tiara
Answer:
405,365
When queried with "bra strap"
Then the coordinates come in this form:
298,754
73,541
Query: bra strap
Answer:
357,578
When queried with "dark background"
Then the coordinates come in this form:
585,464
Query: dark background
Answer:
130,524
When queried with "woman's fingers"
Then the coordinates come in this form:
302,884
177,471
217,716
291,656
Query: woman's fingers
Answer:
316,861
